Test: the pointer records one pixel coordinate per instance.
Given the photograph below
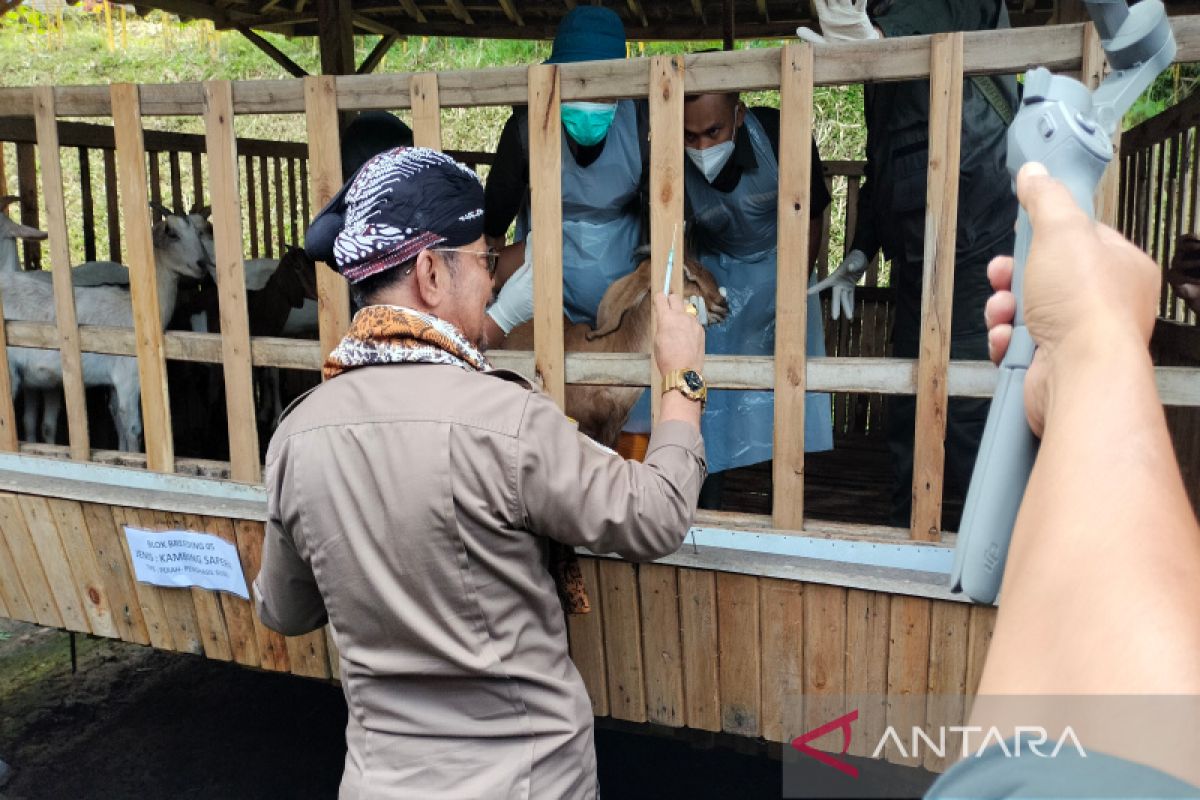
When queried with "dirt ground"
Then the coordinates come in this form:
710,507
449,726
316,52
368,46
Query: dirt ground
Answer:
138,723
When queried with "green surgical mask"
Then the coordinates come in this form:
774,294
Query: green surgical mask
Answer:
588,123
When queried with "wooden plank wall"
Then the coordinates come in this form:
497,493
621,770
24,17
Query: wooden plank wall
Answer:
713,651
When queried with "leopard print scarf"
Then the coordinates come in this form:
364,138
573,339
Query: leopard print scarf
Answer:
397,335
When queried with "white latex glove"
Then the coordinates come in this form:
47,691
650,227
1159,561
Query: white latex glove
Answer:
514,304
842,281
841,21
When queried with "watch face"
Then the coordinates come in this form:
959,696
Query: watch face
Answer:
693,380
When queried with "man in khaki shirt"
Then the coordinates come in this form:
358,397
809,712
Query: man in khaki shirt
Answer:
427,506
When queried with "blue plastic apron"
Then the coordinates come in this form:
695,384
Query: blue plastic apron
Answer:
601,224
737,235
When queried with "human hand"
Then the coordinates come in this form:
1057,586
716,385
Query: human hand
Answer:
842,282
679,337
514,304
1184,274
1089,293
841,21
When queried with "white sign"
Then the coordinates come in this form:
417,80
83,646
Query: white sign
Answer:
179,559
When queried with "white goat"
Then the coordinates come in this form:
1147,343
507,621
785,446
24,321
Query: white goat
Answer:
178,253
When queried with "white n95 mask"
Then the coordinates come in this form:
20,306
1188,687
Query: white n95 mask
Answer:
711,160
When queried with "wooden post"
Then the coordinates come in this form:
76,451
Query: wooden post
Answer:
27,189
937,286
336,36
46,122
426,110
231,281
112,205
88,204
545,180
666,189
8,417
147,321
791,307
1108,191
320,107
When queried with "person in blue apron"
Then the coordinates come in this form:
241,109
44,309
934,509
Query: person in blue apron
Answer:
604,154
891,213
731,187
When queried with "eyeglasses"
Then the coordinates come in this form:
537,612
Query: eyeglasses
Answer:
490,254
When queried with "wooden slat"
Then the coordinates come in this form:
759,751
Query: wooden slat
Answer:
27,189
176,179
586,634
17,602
304,184
738,632
112,205
666,188
155,179
29,566
791,314
947,679
178,607
264,177
81,557
252,206
622,641
147,321
426,110
148,597
908,671
867,617
308,655
335,657
545,168
272,649
238,613
115,573
9,438
295,234
783,643
43,531
658,594
198,181
231,283
700,648
937,282
979,639
324,154
87,204
60,260
214,633
824,657
280,240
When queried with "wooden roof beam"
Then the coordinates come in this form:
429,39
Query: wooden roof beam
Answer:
410,8
277,55
510,11
636,9
460,11
698,8
363,22
375,57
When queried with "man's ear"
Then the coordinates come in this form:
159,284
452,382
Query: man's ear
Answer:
429,279
739,114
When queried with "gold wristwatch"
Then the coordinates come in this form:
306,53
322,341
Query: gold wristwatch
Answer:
689,382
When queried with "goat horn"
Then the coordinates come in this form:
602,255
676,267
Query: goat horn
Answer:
7,200
160,208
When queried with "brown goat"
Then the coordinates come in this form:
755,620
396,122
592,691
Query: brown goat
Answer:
622,326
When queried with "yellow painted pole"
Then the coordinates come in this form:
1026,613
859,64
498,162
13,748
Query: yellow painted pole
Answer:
108,24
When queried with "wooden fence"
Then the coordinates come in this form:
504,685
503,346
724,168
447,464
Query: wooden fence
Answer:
750,643
793,70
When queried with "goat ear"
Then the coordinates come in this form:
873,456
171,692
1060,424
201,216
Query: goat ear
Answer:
204,211
622,296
